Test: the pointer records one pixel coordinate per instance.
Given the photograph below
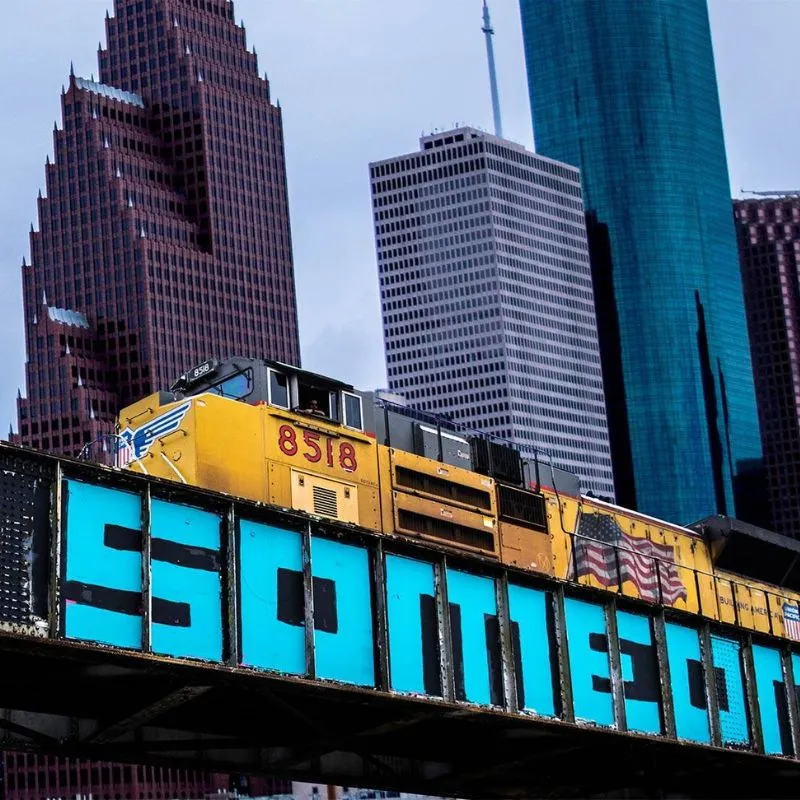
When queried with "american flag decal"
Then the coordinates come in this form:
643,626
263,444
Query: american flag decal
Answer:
791,621
601,547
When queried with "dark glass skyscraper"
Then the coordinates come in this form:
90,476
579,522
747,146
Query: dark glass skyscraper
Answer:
164,231
627,92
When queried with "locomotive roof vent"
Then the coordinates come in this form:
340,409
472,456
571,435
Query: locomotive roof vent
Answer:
500,461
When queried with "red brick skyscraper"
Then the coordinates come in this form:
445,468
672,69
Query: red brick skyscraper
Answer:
164,234
768,230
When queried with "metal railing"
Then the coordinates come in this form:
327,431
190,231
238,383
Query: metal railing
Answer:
108,449
612,569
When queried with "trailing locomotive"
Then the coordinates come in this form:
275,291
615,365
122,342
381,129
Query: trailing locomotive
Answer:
290,438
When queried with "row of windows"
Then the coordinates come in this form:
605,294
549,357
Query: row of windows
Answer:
443,326
426,384
471,367
532,179
445,140
108,110
420,234
437,346
161,204
439,305
445,187
433,279
526,374
447,261
553,432
452,148
574,359
481,363
572,252
562,255
430,297
552,408
459,200
571,450
524,234
408,163
550,313
539,164
507,211
421,218
555,205
452,252
476,334
515,185
535,273
556,294
429,176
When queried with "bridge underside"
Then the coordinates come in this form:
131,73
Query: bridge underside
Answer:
75,701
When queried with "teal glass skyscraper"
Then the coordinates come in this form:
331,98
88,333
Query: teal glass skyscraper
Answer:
626,90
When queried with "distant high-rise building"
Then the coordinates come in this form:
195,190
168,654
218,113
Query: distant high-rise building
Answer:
769,249
164,232
34,777
486,294
627,92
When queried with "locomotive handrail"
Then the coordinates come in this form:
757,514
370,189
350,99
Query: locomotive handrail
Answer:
445,422
735,586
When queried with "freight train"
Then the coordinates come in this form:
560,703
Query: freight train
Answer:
287,437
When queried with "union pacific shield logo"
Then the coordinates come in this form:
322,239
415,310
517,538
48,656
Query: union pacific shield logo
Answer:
791,621
136,444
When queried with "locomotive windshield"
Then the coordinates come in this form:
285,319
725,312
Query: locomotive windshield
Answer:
237,387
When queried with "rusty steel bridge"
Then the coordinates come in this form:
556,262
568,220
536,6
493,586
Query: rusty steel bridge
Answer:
149,622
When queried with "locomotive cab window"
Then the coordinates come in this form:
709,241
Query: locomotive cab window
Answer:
353,418
278,389
333,406
237,387
315,401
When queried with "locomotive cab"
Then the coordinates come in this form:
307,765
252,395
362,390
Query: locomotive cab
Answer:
256,381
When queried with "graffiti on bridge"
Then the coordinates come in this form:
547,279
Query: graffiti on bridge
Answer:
185,586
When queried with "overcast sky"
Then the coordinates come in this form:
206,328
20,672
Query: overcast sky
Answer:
358,81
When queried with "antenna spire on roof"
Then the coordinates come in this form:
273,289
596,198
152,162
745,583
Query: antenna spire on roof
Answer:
488,31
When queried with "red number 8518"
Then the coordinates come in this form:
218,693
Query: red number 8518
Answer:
287,442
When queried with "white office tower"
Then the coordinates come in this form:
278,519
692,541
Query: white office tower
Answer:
486,295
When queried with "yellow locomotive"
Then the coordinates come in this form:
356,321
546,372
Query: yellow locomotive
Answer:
287,437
